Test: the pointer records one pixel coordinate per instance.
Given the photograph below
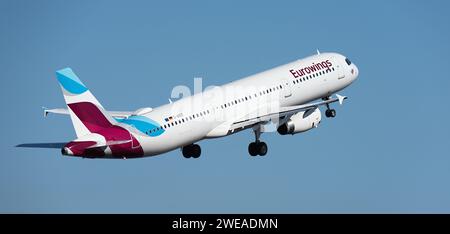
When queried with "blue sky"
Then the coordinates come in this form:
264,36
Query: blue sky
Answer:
386,152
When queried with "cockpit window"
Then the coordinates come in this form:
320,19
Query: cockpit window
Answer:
348,61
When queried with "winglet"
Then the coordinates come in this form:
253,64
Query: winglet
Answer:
45,111
341,98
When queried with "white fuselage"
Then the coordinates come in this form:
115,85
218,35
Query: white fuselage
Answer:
292,84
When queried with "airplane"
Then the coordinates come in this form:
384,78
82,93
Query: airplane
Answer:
287,96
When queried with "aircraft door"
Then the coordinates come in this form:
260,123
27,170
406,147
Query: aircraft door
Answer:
340,69
287,88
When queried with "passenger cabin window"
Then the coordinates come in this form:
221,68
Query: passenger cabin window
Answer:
348,61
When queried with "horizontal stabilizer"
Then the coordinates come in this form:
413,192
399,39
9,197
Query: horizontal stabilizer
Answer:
61,111
64,111
57,145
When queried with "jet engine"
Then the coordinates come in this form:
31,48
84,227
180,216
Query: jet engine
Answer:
301,122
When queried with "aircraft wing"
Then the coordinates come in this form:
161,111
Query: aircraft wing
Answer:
59,145
283,112
64,111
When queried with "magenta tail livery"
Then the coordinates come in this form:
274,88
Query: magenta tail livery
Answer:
283,97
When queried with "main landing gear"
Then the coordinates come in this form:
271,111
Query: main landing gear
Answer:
329,113
258,147
191,151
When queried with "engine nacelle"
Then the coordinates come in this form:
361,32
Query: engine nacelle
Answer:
301,122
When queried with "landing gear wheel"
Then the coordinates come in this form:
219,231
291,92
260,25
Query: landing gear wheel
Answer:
196,151
252,149
186,152
330,113
262,148
257,148
192,151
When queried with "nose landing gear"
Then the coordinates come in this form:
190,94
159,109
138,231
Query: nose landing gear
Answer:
329,113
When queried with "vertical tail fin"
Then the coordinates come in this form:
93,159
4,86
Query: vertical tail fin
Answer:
86,112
